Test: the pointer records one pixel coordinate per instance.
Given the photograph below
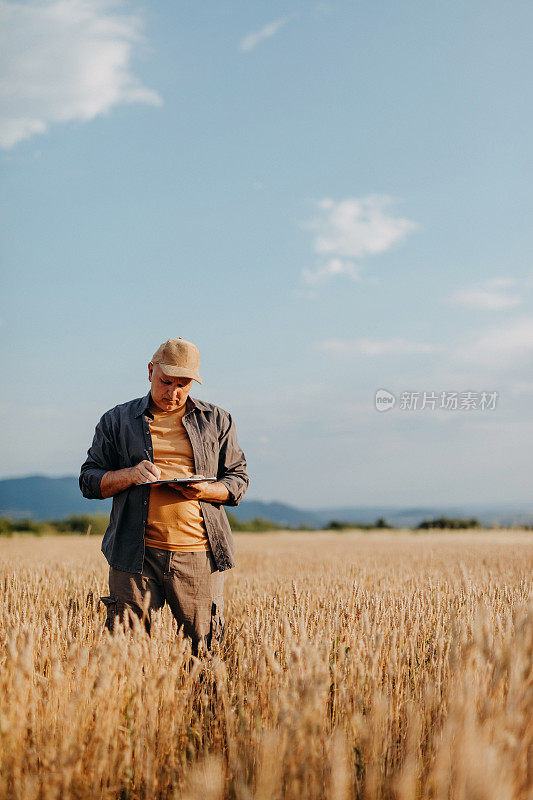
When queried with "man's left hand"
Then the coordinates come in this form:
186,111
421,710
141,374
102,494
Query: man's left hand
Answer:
215,492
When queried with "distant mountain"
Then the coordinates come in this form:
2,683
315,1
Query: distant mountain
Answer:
276,512
517,514
43,498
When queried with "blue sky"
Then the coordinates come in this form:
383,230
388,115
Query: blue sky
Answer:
328,198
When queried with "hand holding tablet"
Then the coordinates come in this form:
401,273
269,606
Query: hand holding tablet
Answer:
181,481
146,472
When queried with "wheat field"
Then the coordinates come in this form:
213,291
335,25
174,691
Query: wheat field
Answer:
355,665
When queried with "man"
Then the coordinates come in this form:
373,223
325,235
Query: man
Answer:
166,543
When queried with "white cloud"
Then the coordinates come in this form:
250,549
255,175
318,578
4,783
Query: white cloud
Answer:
252,39
500,283
347,348
505,346
492,295
355,228
358,227
65,60
335,266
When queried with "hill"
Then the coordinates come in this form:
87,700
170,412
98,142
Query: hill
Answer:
41,498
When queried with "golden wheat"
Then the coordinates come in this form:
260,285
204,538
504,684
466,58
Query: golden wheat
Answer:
390,665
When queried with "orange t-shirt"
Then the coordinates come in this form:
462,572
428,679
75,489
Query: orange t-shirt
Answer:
174,523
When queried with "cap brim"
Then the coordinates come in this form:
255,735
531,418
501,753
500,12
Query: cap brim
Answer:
179,372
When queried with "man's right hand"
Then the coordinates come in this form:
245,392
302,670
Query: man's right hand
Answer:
145,472
118,480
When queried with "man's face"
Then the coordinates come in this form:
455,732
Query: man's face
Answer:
168,393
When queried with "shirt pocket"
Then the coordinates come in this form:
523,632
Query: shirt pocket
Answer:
212,452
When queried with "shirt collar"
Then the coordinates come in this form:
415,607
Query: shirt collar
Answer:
143,406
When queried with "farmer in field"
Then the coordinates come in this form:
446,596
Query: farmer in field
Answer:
168,542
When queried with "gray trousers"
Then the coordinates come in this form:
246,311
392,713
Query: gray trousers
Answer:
190,583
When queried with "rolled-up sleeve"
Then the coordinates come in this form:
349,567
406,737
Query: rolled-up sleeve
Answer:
101,457
231,463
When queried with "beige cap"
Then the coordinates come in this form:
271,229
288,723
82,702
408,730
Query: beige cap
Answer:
179,359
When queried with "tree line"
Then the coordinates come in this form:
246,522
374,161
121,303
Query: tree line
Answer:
96,524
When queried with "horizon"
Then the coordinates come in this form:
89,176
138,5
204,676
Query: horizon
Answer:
427,505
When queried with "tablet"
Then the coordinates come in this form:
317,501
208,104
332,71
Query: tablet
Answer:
178,481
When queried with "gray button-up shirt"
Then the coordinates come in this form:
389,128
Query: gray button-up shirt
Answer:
122,438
